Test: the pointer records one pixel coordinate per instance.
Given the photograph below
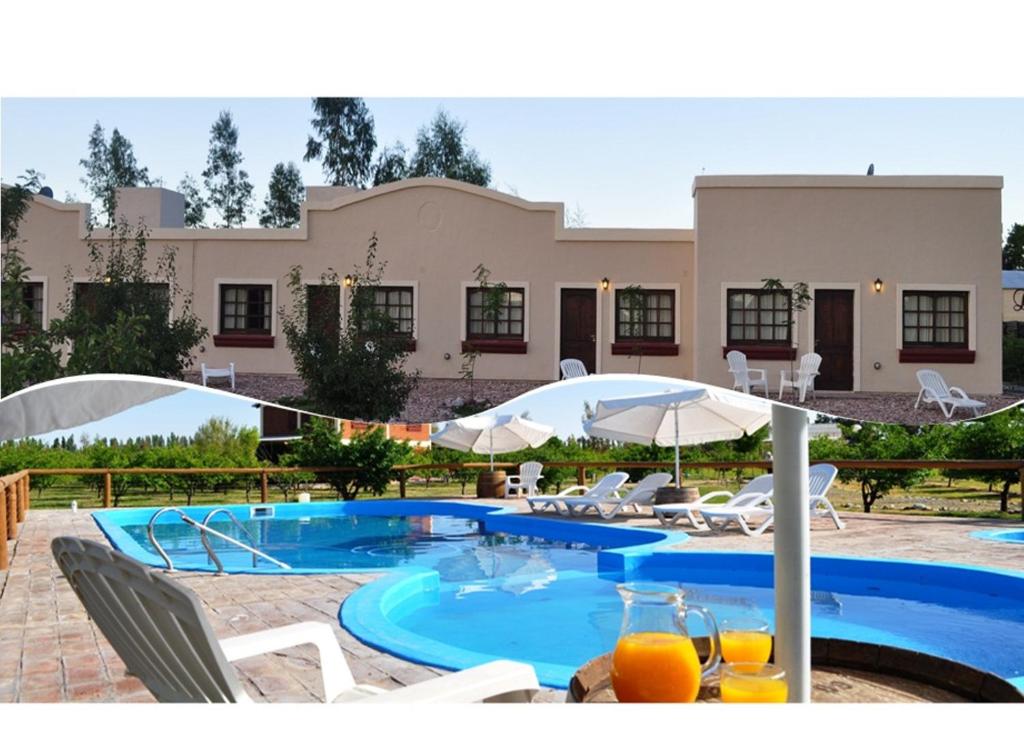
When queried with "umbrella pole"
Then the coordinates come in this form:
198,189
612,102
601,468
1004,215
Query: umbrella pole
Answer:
792,549
490,437
675,414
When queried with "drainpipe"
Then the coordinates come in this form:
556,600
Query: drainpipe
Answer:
791,498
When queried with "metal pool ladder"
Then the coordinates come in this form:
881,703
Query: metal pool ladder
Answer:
204,532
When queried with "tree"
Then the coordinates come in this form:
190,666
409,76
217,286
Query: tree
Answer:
355,370
370,453
996,437
110,166
27,356
345,140
284,196
228,186
875,441
799,299
195,204
1013,249
442,152
493,297
391,165
121,322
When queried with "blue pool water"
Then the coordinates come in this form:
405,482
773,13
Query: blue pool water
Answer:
472,583
1002,536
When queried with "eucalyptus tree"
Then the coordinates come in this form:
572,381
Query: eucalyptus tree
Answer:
228,186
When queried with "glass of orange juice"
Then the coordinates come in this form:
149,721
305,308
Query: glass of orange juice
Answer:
753,682
745,639
655,660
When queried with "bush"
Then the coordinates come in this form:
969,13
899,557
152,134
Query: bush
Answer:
371,454
1013,359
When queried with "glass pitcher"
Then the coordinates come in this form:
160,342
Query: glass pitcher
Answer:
655,659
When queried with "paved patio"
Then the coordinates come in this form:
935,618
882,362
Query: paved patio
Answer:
50,651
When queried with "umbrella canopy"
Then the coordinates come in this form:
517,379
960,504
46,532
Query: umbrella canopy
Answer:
70,402
492,434
687,416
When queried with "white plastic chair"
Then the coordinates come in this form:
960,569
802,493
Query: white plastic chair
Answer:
754,492
529,474
218,373
742,376
605,489
572,368
935,390
642,493
804,378
754,519
158,628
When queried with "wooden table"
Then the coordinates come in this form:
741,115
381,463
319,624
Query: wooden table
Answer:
844,671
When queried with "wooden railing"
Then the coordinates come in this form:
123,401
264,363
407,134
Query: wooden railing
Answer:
14,488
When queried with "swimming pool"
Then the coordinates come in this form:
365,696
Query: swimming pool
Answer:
1002,536
469,583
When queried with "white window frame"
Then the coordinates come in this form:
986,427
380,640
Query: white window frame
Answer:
794,334
464,287
46,296
613,330
244,281
972,307
347,293
599,314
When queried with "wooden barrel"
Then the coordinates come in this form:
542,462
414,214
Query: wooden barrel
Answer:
490,484
673,495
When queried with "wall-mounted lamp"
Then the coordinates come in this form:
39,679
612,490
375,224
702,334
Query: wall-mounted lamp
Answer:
878,284
605,283
348,280
106,280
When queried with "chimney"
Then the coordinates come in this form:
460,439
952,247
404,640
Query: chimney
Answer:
154,207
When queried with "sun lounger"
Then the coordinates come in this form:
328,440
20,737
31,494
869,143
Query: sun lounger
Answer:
604,490
752,493
643,493
755,519
160,631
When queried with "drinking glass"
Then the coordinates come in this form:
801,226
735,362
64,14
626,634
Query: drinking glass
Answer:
753,682
745,639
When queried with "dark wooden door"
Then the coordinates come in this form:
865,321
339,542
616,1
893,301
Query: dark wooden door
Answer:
578,335
833,338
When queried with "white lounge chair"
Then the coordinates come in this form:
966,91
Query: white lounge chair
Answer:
218,373
526,480
804,377
935,390
604,490
642,493
572,368
159,629
754,492
742,376
755,519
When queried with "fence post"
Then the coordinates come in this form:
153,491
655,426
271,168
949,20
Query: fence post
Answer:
401,484
263,487
3,527
19,499
581,475
107,489
28,492
12,512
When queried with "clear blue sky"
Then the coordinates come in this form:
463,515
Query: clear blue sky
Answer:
626,162
181,413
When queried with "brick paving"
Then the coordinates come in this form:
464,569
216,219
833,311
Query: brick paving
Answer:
50,651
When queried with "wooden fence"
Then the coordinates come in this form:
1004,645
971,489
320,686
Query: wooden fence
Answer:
14,488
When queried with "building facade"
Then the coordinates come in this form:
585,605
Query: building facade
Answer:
903,271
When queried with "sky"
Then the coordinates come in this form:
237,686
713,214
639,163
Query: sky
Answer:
180,413
624,162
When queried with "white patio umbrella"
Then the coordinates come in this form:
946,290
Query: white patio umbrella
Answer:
694,416
72,401
492,434
687,416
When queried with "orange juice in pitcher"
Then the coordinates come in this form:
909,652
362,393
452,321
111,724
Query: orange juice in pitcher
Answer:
655,659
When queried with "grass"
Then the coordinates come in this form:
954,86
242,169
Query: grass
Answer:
962,498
